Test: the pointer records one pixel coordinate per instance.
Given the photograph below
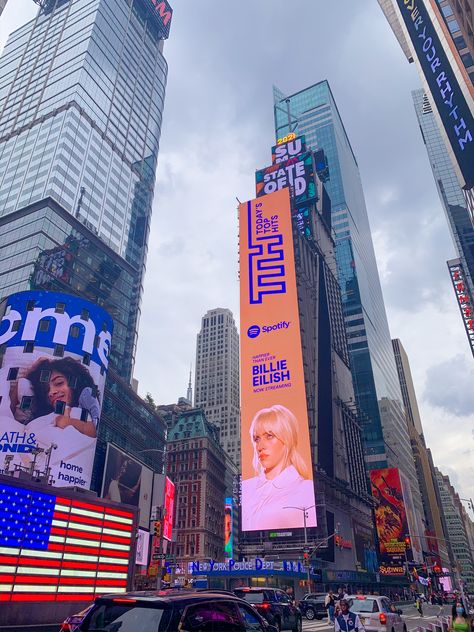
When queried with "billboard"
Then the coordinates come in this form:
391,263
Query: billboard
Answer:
413,520
168,509
297,174
228,528
366,553
463,297
143,544
57,548
277,476
390,519
54,359
287,148
127,481
447,95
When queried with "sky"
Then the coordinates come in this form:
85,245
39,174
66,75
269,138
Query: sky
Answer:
224,57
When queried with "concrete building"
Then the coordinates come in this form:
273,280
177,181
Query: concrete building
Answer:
217,377
197,466
432,532
459,536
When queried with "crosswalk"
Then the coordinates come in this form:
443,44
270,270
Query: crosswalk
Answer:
316,625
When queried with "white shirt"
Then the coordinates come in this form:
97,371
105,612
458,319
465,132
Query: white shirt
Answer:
263,501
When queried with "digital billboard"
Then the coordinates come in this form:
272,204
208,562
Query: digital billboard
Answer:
286,149
463,297
449,100
126,480
228,528
390,519
143,545
297,174
277,476
57,548
366,553
168,509
54,359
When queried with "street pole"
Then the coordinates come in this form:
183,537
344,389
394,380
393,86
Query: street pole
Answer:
306,548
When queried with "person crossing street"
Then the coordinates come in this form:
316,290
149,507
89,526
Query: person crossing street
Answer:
347,621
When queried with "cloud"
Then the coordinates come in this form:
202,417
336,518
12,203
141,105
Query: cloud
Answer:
449,386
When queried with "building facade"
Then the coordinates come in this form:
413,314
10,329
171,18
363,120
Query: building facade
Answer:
457,533
313,112
81,98
3,4
434,537
197,466
217,377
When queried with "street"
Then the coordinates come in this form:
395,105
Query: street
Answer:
410,616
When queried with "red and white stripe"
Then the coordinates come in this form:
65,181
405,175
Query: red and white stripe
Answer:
89,553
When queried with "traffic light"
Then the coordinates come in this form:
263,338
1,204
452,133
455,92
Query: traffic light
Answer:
157,528
437,569
306,557
407,541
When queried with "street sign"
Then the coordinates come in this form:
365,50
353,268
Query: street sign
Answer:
158,556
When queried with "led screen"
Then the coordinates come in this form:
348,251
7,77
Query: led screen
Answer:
228,530
54,548
53,368
297,174
169,509
277,477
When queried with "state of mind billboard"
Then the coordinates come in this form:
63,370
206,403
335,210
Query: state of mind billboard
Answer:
277,476
54,355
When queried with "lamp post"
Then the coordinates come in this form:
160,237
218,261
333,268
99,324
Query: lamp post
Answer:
305,550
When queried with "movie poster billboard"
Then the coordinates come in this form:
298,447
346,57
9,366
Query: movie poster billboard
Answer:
128,481
365,550
297,174
390,519
54,360
228,528
169,509
277,476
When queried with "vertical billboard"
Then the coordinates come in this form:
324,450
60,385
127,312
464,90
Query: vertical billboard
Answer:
168,509
228,528
463,297
128,481
297,174
277,475
54,358
366,553
390,519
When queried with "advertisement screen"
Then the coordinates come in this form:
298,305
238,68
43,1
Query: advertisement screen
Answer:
128,481
228,529
390,519
169,509
53,369
283,151
277,476
463,297
297,174
56,548
413,522
143,544
366,553
446,92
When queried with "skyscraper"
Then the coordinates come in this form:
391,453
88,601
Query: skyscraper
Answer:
81,99
217,376
2,5
433,527
313,112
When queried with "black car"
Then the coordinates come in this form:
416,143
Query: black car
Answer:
173,611
312,606
275,605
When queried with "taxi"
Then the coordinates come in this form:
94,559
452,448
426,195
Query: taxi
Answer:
377,613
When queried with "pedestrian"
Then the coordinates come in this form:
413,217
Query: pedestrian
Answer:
347,621
329,604
419,605
459,618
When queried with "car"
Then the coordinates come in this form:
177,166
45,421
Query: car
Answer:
173,611
377,613
312,606
275,605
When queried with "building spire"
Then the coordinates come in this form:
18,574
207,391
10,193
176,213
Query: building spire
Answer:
189,395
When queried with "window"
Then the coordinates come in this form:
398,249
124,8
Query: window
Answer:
58,351
29,347
250,620
211,617
12,373
60,307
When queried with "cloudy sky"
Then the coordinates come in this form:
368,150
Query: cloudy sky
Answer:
223,59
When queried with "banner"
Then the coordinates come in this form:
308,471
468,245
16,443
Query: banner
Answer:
390,519
53,368
126,480
228,528
169,509
277,485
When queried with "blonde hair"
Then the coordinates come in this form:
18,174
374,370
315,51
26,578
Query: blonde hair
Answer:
284,426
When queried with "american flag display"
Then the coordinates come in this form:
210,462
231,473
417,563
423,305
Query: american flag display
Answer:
54,548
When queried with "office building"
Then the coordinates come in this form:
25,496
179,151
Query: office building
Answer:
434,537
458,534
196,464
2,5
314,113
437,35
217,377
342,504
81,97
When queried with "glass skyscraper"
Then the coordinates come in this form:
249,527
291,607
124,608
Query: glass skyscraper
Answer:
81,98
312,112
450,193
